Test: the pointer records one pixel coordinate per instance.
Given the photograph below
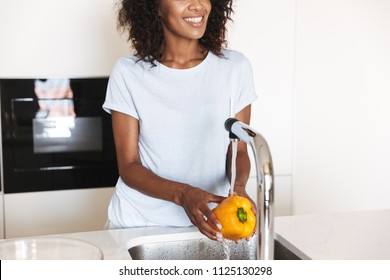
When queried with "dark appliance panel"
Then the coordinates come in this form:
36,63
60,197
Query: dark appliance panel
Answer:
55,135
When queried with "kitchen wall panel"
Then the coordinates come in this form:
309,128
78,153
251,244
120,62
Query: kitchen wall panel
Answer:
1,216
342,120
46,38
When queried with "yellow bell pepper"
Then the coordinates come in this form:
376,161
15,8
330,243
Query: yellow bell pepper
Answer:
236,217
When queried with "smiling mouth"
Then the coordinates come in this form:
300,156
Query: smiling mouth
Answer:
193,19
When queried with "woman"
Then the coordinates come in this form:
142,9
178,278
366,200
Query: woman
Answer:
169,103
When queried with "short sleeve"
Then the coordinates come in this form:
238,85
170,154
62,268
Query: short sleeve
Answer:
119,91
246,93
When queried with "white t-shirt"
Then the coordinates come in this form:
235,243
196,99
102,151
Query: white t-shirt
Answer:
182,136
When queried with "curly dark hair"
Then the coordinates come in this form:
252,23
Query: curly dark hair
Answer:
141,20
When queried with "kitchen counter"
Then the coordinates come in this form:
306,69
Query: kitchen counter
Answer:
355,235
352,236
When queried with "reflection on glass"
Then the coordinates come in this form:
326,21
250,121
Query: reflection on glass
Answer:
55,98
55,126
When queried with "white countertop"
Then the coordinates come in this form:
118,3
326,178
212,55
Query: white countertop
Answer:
356,235
352,236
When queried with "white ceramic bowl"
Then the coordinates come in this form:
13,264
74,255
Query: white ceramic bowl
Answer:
48,248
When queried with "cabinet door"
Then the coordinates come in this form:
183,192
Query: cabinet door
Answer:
1,217
54,212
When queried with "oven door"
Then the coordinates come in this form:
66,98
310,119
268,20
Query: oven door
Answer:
68,146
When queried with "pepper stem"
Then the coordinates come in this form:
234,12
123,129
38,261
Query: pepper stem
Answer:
241,215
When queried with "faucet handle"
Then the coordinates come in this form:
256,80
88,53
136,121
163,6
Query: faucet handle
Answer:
239,130
228,126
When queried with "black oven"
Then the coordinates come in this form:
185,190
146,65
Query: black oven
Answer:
55,135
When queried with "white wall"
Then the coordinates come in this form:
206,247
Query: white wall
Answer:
47,38
342,100
264,31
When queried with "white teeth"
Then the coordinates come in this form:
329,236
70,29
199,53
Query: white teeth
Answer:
194,19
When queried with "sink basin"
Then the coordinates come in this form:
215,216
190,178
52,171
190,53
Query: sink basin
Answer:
48,248
195,246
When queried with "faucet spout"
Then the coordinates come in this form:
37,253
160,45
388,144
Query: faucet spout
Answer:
265,184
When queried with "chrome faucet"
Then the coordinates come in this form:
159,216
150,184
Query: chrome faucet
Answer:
265,183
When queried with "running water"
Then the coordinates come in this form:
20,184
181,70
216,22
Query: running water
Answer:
226,248
233,165
238,250
225,244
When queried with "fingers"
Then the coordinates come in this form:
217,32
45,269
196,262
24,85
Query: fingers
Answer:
211,218
196,206
207,224
216,198
209,231
212,226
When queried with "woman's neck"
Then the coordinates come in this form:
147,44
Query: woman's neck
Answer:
183,54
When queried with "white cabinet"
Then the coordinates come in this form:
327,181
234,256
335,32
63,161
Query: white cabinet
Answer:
54,212
1,217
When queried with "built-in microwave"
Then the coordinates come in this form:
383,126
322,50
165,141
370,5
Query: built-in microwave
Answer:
55,135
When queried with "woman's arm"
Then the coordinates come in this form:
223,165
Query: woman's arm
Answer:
243,164
194,200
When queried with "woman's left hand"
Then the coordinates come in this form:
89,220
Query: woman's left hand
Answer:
195,202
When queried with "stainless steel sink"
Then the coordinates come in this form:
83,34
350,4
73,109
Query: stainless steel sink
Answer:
194,246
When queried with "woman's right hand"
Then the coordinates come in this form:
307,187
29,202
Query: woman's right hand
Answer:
195,203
